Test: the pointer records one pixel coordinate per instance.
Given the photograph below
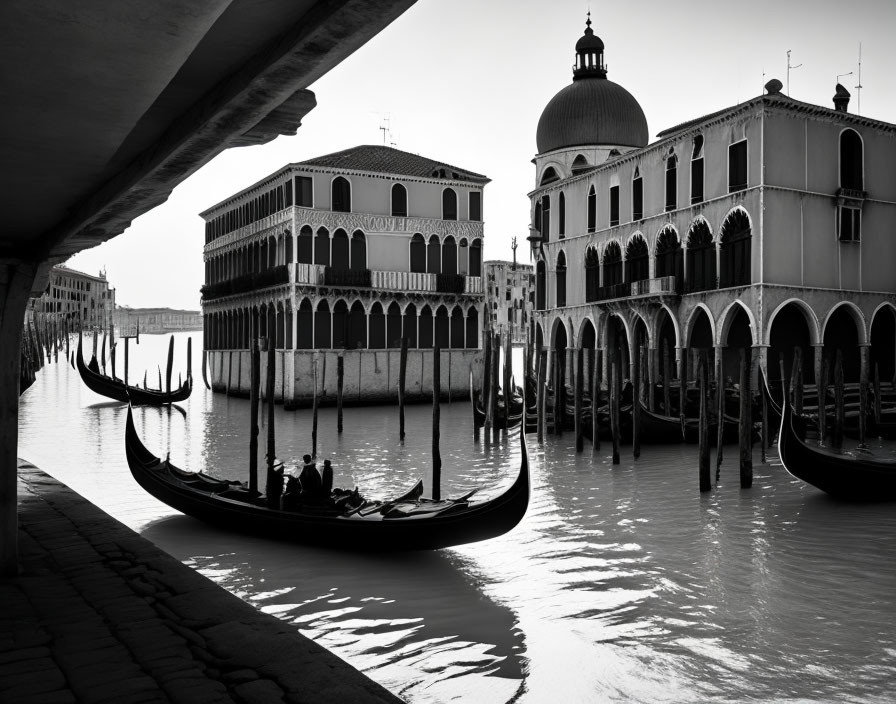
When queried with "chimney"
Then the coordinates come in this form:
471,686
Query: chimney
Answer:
841,98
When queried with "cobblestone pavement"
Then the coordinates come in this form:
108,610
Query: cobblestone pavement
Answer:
99,614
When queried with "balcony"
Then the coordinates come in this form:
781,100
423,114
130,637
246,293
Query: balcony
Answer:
320,275
660,287
275,276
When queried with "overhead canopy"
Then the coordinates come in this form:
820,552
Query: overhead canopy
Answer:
108,105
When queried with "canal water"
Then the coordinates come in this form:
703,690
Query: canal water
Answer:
622,583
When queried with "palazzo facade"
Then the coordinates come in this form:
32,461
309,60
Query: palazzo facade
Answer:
768,225
73,296
342,256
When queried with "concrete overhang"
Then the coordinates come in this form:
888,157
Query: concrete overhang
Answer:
108,105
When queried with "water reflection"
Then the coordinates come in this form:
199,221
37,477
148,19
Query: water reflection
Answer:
622,583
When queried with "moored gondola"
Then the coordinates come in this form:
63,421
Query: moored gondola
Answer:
117,389
405,523
853,477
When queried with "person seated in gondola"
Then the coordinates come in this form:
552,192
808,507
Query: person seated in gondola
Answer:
274,487
292,494
309,478
327,479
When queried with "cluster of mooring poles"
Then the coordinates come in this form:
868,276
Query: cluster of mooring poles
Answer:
496,406
42,337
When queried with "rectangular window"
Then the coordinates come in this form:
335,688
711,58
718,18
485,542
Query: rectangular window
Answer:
697,181
304,192
737,166
614,205
850,225
637,199
671,184
475,205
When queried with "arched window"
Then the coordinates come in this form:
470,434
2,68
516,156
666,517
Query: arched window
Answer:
399,201
340,249
546,218
410,325
443,328
305,325
580,163
592,209
305,247
734,250
457,328
322,326
341,195
637,261
476,258
424,328
449,204
536,221
668,255
701,258
393,325
549,176
340,324
592,274
449,255
851,161
561,215
356,339
637,196
539,286
463,257
434,255
472,328
322,247
612,265
671,181
418,254
359,251
561,280
697,170
377,327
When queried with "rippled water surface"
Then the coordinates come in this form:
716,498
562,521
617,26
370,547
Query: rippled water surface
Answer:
621,584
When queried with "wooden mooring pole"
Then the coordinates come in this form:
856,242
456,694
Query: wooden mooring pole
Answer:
877,407
485,395
837,439
595,399
667,377
170,366
314,407
579,389
253,418
340,374
745,424
823,402
796,380
720,409
540,390
703,428
614,408
402,379
436,418
637,384
274,482
493,396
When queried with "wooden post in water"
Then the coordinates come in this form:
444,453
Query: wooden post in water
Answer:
103,356
314,407
745,425
614,408
783,376
541,411
720,409
837,439
579,389
204,374
485,395
493,396
683,387
402,378
340,372
436,418
68,334
272,491
253,417
863,394
506,381
636,403
126,341
823,402
763,409
667,377
170,364
190,359
703,432
595,399
796,380
877,408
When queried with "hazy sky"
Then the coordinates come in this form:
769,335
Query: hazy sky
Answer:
465,81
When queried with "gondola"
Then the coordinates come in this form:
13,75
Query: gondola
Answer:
406,523
118,390
852,477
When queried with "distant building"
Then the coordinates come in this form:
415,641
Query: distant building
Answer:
768,225
342,255
156,320
509,295
76,297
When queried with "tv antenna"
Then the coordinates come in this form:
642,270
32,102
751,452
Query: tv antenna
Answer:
859,86
386,129
789,67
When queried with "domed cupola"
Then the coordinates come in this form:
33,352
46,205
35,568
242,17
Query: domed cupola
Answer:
592,110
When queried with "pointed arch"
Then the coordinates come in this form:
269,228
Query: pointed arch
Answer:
399,201
472,331
734,249
358,251
449,255
425,328
339,248
700,258
418,254
434,255
449,204
340,195
305,325
442,328
727,316
560,277
592,274
611,267
409,325
457,327
393,325
323,325
377,325
637,259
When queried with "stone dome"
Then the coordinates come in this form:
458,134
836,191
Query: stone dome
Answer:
592,111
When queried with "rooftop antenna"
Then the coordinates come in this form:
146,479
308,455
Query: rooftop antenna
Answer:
384,128
513,247
841,75
859,86
788,71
